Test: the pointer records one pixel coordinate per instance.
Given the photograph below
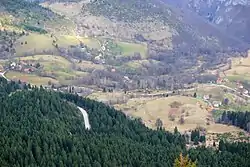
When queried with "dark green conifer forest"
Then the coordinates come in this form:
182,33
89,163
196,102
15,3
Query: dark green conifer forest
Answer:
44,128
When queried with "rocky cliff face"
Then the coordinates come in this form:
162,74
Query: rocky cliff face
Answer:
231,15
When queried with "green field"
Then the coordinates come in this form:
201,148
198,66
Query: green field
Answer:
131,48
38,43
30,78
67,40
56,66
240,70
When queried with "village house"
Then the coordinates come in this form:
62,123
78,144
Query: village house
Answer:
206,97
27,70
245,92
219,81
216,104
12,65
103,48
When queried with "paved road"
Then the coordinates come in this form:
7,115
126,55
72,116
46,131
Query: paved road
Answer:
86,118
224,86
2,74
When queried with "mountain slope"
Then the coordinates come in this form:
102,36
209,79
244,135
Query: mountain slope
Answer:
177,28
31,17
231,15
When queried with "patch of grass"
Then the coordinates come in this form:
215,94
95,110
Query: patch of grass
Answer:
85,65
36,43
34,29
136,66
75,40
56,66
107,96
30,78
150,109
131,48
49,61
240,70
234,78
70,10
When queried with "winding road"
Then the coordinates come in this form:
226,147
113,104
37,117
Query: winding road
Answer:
235,91
86,118
2,74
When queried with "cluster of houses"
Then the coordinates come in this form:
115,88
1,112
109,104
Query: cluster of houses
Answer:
241,89
23,66
215,104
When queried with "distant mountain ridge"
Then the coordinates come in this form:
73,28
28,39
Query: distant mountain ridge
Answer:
157,22
185,28
231,15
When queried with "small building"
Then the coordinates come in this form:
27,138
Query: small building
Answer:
206,97
26,70
245,92
97,58
103,48
126,77
241,86
219,81
216,104
13,64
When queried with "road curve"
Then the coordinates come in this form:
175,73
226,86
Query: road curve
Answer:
2,74
86,118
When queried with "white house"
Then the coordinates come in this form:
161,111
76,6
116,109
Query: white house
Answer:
245,92
206,97
216,103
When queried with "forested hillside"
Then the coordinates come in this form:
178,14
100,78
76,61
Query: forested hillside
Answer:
239,119
44,128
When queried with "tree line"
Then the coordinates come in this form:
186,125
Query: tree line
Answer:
239,119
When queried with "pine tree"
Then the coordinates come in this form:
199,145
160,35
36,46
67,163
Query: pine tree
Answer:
184,162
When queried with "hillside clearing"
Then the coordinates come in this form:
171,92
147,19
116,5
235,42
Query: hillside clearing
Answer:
150,109
67,40
240,69
30,78
56,66
33,43
40,43
131,48
86,65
